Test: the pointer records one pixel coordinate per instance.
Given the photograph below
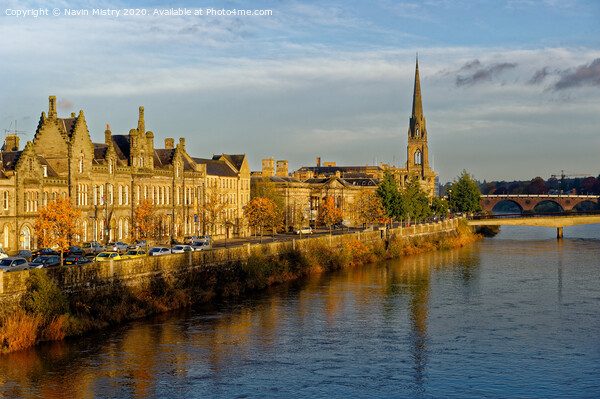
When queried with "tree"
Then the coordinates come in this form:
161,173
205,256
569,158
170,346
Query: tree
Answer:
464,196
439,206
537,186
144,221
368,207
328,213
388,192
213,208
413,202
56,225
261,213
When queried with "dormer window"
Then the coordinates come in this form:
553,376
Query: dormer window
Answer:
45,168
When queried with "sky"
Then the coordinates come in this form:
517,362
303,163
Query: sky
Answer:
511,88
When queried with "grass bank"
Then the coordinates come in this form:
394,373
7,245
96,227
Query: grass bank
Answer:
47,314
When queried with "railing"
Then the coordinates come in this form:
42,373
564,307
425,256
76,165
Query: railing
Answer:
531,215
539,196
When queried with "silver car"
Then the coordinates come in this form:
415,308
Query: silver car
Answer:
200,245
157,251
179,249
117,247
13,264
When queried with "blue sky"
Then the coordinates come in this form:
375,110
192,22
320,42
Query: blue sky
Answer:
511,89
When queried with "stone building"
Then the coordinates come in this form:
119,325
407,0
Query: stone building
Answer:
308,186
107,180
417,152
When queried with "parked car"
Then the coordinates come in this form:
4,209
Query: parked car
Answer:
26,254
304,230
2,253
44,261
157,251
200,245
134,253
204,238
46,252
76,260
73,251
92,248
104,256
141,244
179,249
117,246
13,264
189,239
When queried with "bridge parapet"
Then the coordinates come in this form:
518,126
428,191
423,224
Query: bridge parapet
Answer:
529,201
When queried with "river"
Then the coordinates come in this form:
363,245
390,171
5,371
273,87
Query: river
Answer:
517,315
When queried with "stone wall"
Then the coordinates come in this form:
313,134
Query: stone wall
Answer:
136,272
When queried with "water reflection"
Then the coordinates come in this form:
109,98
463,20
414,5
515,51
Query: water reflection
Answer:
398,328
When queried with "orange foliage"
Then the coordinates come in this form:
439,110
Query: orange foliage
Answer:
18,330
144,223
263,212
56,224
328,213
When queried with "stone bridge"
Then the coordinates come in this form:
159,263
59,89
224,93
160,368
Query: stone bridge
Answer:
529,201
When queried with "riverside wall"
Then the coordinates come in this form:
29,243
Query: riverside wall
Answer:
137,272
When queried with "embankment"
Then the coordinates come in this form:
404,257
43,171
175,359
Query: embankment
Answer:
50,304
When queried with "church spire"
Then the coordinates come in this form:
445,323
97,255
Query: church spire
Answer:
417,108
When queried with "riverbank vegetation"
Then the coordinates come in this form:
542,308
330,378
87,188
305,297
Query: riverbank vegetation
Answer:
47,314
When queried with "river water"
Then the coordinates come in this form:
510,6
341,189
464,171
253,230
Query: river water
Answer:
517,315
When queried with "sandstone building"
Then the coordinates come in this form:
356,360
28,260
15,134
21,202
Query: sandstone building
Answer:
306,188
107,180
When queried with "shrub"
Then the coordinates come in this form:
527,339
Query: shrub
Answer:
43,297
18,330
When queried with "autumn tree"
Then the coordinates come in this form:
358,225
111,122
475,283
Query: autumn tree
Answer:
213,210
144,221
328,213
263,213
368,207
56,225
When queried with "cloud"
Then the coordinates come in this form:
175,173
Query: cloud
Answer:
539,76
65,105
476,72
584,75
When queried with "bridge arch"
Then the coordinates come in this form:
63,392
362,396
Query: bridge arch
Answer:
548,205
500,206
586,205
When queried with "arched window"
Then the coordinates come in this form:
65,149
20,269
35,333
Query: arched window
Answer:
120,194
26,235
120,229
418,159
417,132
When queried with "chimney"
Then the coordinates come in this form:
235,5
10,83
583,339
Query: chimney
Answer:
141,124
318,162
52,107
72,114
169,144
182,143
11,143
282,168
107,134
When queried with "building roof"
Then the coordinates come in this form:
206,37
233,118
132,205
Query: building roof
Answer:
216,167
68,124
235,159
121,144
277,179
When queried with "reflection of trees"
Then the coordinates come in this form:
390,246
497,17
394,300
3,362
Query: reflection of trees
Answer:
212,340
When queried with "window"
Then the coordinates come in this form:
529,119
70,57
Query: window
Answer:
417,132
6,200
6,235
142,161
120,195
110,194
110,166
45,168
81,163
45,199
102,199
418,157
126,189
137,195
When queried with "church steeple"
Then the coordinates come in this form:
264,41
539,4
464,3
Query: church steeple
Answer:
417,108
